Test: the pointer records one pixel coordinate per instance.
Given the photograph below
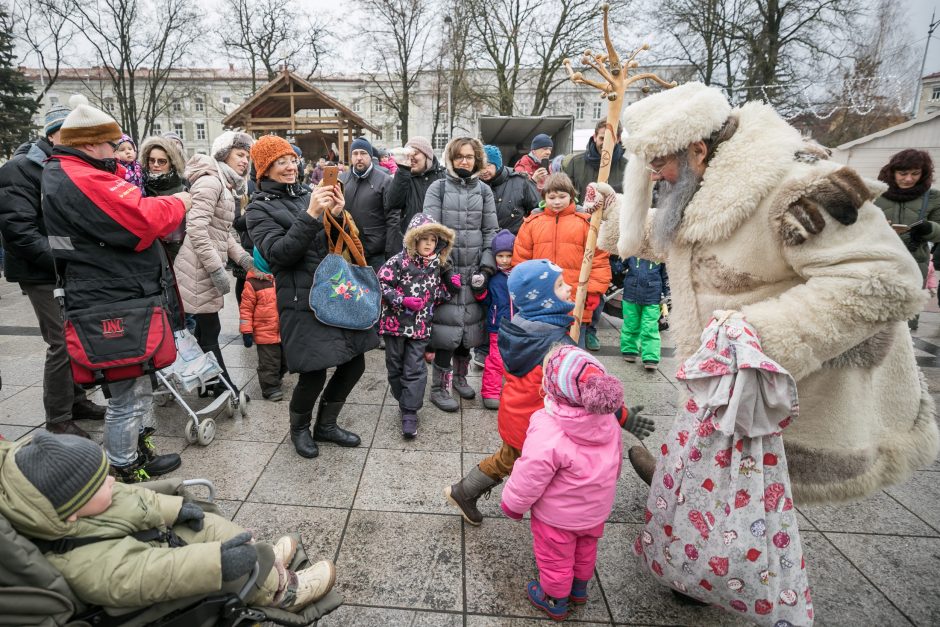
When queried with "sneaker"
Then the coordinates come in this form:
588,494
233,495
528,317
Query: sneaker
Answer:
274,395
557,609
591,342
285,548
478,359
67,427
84,409
650,365
313,583
409,425
629,357
578,595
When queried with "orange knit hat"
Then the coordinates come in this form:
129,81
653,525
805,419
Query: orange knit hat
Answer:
267,150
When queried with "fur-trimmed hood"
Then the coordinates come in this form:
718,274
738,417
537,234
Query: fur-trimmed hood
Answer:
177,161
421,225
477,150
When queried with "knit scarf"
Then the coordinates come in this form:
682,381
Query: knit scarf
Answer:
896,194
235,181
593,155
157,184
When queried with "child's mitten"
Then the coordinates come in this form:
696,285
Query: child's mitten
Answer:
192,515
412,303
248,339
238,557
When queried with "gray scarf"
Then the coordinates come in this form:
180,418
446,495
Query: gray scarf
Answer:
236,182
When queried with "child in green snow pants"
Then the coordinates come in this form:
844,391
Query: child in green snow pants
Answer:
645,284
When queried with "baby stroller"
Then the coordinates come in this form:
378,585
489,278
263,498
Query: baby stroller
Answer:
192,371
32,592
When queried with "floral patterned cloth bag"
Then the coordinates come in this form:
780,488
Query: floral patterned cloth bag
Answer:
720,523
345,295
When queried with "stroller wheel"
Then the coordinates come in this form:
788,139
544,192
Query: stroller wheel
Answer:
160,399
206,431
243,403
192,431
230,406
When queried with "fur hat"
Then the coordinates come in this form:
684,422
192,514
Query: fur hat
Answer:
574,378
493,156
421,144
267,150
66,469
541,141
503,242
228,141
87,125
657,126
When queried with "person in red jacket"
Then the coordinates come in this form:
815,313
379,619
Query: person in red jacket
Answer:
259,325
531,164
559,233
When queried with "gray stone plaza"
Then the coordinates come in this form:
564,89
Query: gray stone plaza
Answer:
405,557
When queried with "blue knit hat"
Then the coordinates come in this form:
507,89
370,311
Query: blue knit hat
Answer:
494,156
503,242
54,119
541,141
297,150
260,262
532,288
361,143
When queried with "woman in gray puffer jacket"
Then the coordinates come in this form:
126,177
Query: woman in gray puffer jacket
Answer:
462,202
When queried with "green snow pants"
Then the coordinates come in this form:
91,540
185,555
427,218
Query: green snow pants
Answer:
639,333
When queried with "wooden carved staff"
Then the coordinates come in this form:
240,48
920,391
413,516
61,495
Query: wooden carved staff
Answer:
618,79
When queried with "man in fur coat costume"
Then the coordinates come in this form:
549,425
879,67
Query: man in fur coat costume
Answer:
752,218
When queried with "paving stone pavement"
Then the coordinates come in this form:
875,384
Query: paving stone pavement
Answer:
404,556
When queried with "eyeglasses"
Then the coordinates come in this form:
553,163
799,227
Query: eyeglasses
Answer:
286,162
658,171
114,145
464,158
153,161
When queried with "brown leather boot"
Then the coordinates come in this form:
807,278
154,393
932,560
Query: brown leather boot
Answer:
643,463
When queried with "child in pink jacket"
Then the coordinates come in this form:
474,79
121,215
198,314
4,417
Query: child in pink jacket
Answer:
567,476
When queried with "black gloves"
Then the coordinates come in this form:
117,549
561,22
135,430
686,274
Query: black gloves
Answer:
921,231
638,425
192,515
248,339
238,557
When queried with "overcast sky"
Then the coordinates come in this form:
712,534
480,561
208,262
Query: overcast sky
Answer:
918,12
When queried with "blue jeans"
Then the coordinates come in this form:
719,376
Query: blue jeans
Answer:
130,409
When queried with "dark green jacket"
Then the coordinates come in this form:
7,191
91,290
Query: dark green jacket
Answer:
582,168
909,212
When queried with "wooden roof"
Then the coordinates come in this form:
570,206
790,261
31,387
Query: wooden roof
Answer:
274,108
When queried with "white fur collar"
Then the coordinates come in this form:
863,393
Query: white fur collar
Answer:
744,170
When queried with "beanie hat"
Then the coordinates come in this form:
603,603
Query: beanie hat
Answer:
532,288
177,139
493,156
260,263
267,150
127,138
54,118
87,125
65,469
421,144
228,141
575,378
503,242
361,143
541,141
297,150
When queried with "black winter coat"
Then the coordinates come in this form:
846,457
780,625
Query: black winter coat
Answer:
366,203
28,257
406,198
515,196
294,244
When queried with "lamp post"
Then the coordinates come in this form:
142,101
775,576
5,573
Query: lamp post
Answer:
930,29
450,43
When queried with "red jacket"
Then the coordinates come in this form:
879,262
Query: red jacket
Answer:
520,398
527,165
258,311
560,238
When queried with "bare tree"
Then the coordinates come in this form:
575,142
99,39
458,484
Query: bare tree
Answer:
41,28
404,25
268,35
137,44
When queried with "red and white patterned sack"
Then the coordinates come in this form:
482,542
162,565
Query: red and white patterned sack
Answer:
720,523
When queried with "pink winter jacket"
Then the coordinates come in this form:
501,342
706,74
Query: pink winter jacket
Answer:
568,471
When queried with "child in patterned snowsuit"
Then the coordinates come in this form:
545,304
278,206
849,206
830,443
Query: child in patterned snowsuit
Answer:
413,282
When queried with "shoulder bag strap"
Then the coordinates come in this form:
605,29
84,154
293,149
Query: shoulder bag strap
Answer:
343,239
923,206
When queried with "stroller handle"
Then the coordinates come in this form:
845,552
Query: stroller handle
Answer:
203,482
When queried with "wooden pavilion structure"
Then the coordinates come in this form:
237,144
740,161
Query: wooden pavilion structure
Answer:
289,106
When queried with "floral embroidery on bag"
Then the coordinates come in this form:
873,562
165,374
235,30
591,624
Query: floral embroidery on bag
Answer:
345,289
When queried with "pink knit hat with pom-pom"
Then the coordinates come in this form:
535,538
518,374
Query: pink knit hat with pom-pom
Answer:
573,377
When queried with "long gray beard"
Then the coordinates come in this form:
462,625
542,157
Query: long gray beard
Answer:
671,204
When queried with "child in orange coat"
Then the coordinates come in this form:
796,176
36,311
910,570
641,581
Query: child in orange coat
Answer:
559,233
259,325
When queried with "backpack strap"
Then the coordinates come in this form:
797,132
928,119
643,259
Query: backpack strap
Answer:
64,545
923,206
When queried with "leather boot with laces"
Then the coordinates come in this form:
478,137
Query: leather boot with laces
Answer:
67,427
326,430
146,449
300,434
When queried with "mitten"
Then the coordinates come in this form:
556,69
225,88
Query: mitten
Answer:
248,339
631,420
509,512
238,557
598,196
412,302
456,281
220,281
920,231
192,515
247,262
477,280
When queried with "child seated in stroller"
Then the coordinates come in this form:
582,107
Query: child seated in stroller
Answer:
126,546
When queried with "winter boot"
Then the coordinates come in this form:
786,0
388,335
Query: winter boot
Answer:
325,429
557,609
313,583
409,424
67,427
132,473
491,403
461,368
275,395
578,594
441,380
161,464
84,409
590,340
643,463
300,434
464,493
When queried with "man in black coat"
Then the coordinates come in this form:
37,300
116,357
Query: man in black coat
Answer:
415,174
514,192
29,262
582,168
364,188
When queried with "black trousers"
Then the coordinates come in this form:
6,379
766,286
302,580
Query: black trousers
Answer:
208,328
271,367
310,384
443,358
407,372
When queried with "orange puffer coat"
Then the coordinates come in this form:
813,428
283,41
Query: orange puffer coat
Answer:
258,311
560,238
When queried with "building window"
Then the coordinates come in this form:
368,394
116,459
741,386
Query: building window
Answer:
357,106
398,133
178,129
226,100
597,110
157,129
177,106
379,107
53,101
109,105
200,131
440,141
200,105
935,95
579,110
